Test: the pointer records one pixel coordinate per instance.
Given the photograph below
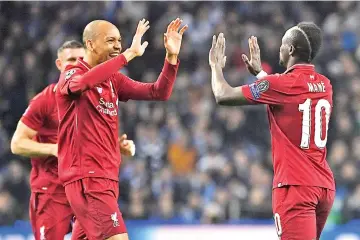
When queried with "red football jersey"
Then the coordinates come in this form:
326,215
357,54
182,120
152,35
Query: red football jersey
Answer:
88,129
299,108
41,116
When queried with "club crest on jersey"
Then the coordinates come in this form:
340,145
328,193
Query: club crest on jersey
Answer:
99,89
69,73
259,87
42,233
115,220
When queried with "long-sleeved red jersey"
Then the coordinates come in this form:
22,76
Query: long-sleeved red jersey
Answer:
87,100
299,108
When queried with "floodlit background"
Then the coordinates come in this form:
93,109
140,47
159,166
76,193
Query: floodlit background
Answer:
196,163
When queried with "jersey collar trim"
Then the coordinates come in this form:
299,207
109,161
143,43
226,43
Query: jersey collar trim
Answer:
300,66
83,63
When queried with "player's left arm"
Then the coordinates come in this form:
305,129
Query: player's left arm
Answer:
160,90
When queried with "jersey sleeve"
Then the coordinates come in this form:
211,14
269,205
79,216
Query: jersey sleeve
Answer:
34,115
70,74
271,89
75,80
128,88
161,89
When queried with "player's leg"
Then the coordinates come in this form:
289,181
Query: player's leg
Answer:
323,209
60,229
293,206
123,236
94,202
75,194
32,214
50,216
78,232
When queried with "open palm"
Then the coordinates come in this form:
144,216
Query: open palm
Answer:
173,37
137,47
217,51
254,64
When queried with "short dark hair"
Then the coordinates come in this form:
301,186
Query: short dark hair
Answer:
72,44
307,39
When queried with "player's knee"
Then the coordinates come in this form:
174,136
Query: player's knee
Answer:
122,236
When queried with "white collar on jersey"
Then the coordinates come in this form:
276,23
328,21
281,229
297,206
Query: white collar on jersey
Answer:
299,65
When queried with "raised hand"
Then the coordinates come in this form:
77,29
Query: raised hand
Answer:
217,52
136,47
254,64
127,147
173,37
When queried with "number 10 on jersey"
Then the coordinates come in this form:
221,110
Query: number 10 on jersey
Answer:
305,108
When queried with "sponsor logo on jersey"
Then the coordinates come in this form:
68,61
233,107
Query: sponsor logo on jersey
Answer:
108,108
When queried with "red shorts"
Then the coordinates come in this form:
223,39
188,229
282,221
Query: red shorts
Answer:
94,202
300,212
50,216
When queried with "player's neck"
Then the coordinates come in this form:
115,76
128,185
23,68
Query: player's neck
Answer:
90,60
295,61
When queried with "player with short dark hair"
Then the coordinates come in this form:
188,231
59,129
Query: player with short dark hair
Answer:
72,44
87,99
299,108
36,137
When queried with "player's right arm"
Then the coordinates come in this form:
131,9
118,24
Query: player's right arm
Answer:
22,142
74,81
223,92
268,90
161,89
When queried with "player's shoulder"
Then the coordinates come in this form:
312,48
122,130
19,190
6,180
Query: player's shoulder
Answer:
273,81
290,80
43,93
272,78
50,89
45,96
72,70
325,79
288,76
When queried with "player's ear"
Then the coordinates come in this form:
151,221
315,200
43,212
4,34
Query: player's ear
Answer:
89,45
291,50
58,64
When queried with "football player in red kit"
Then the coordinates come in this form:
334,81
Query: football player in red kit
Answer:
87,97
36,137
299,104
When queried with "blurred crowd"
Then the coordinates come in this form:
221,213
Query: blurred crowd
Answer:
195,161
